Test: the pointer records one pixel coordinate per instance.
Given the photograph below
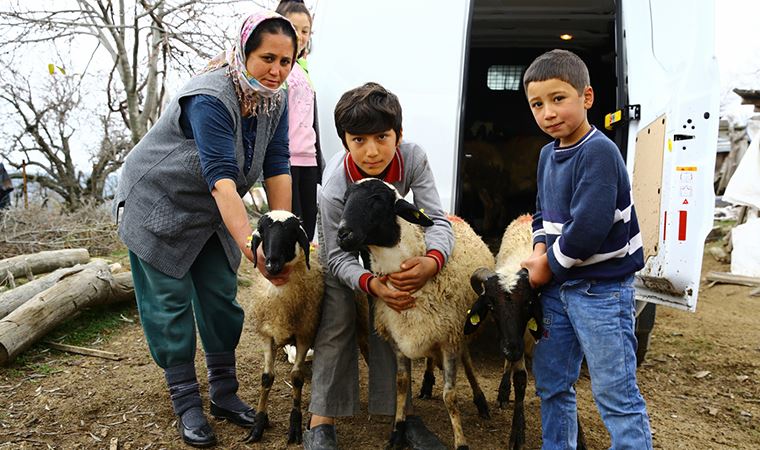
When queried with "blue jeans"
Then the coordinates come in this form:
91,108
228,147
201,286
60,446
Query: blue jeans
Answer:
595,319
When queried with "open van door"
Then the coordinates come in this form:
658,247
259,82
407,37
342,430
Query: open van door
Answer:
421,61
671,75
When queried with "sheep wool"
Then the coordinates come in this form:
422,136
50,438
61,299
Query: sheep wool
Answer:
516,246
435,323
292,310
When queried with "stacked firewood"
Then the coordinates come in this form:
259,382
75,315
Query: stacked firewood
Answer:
60,284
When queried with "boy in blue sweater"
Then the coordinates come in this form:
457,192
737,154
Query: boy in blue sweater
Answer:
587,247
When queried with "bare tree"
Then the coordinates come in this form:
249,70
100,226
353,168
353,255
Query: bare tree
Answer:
144,38
42,132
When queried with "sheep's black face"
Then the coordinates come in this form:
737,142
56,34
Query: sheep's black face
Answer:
511,310
278,233
369,217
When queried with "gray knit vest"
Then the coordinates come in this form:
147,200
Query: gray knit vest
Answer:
168,212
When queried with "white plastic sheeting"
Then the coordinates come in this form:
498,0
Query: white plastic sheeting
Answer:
744,188
745,257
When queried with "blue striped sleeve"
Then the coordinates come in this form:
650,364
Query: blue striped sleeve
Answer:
592,209
539,235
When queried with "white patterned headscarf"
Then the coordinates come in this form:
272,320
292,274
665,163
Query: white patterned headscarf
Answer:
253,96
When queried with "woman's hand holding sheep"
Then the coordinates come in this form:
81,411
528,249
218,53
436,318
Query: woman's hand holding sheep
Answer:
278,280
415,272
395,299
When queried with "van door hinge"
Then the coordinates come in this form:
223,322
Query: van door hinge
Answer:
625,114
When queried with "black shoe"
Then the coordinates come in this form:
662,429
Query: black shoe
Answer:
419,437
244,418
321,437
201,437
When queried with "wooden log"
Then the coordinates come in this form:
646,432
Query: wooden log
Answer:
31,321
42,262
14,298
730,278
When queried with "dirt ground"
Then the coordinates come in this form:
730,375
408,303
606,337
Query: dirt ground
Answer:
701,382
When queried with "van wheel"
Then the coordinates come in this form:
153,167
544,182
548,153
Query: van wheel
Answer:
644,325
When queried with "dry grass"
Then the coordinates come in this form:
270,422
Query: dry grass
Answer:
39,228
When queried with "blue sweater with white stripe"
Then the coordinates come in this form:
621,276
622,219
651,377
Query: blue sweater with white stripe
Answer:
584,211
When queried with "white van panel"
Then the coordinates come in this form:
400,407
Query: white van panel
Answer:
672,70
416,49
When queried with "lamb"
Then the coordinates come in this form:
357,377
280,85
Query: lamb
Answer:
517,313
285,314
371,221
289,314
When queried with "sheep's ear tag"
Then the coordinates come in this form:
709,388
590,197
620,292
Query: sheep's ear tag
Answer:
421,212
475,318
532,325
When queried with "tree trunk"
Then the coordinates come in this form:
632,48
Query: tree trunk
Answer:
92,286
42,262
14,298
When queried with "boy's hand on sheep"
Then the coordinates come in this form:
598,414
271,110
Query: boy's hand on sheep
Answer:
396,300
539,272
415,272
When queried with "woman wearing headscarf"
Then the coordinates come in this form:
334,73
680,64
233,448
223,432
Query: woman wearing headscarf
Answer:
181,215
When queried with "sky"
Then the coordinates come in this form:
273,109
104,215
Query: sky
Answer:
737,47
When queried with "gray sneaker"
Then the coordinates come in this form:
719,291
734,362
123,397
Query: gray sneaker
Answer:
419,437
321,437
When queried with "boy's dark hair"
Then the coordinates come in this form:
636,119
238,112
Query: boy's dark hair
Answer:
367,109
275,25
561,64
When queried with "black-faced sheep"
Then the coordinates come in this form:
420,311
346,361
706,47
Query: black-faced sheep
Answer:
289,314
372,220
517,313
285,314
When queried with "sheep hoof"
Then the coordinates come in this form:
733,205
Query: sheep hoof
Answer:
517,435
398,437
295,432
482,405
260,422
428,381
463,447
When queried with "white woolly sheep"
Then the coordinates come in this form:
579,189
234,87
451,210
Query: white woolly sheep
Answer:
289,314
371,220
517,313
285,314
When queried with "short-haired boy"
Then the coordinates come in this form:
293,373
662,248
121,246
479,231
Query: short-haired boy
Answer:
368,121
587,246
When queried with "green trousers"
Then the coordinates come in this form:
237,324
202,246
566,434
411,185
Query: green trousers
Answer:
169,307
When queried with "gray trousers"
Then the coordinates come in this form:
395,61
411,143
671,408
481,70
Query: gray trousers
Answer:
335,368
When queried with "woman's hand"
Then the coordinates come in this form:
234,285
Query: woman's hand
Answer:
396,300
415,272
278,280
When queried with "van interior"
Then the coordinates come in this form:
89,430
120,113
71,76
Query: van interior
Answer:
500,141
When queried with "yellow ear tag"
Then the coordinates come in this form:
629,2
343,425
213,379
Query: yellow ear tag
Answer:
532,325
422,211
474,319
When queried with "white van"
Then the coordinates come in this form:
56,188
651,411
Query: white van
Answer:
457,66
